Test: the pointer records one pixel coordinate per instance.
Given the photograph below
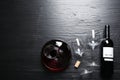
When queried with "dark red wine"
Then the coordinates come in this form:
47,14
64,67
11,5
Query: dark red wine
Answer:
107,55
55,55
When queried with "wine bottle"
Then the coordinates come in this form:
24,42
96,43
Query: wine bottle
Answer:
107,55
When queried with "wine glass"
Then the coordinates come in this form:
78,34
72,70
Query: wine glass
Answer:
93,41
78,50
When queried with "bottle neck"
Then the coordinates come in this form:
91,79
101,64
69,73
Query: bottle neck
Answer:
107,31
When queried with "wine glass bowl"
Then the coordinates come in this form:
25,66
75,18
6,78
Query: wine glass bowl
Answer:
77,47
93,39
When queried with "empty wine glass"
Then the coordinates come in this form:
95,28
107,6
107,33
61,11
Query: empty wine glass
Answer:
93,42
78,50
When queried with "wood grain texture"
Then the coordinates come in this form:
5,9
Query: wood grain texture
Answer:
27,24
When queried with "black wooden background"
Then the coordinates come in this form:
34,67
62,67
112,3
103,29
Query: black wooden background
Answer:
25,25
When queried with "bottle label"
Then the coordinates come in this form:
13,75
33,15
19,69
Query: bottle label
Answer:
105,59
108,52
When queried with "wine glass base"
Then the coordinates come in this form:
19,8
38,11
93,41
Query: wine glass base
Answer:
93,64
86,72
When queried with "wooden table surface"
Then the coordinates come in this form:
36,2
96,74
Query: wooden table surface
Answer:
26,25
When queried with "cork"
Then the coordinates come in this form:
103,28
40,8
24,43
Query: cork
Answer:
77,64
